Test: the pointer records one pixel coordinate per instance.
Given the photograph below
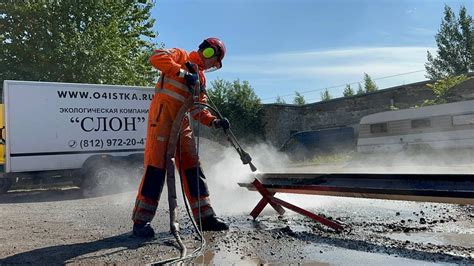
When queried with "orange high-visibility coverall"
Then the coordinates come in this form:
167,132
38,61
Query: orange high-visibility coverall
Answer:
169,133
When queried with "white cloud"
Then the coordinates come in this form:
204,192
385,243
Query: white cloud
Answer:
422,31
383,60
269,74
410,11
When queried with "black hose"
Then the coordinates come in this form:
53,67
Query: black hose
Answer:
196,252
246,159
175,233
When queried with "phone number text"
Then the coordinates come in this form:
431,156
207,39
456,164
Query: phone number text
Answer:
101,143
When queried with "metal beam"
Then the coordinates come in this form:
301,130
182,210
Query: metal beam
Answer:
443,188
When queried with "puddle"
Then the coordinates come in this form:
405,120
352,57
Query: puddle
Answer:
226,258
437,238
331,255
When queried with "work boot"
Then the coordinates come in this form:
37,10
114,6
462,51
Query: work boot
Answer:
143,230
214,224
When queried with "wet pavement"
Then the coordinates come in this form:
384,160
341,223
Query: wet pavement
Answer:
70,226
70,229
368,240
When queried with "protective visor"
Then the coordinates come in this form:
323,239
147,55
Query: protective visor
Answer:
216,66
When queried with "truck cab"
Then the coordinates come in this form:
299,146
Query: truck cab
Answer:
2,137
5,184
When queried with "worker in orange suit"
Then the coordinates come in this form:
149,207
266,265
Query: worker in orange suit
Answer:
169,133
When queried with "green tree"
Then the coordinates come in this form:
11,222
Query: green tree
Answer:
369,84
76,41
348,91
299,99
360,91
280,100
455,42
325,96
238,102
442,87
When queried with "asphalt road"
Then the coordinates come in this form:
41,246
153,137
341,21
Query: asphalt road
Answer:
62,226
65,225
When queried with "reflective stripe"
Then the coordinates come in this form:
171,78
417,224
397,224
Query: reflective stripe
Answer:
207,213
146,206
143,216
204,213
201,203
176,84
172,82
197,110
171,94
162,51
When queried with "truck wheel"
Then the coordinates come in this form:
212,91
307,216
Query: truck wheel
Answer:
5,184
98,175
100,179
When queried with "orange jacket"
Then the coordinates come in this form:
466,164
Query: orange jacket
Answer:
169,62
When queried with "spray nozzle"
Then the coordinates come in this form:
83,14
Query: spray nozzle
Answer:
246,159
252,167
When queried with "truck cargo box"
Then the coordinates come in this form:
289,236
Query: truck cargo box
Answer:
59,126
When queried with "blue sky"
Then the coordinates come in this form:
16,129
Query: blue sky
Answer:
283,46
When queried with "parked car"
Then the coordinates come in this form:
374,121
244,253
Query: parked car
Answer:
306,144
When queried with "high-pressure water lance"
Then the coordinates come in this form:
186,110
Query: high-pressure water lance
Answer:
244,156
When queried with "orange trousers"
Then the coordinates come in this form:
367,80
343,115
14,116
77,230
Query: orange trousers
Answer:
168,122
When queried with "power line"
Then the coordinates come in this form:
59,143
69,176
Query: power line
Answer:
337,86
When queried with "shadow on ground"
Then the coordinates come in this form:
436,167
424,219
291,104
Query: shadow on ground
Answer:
62,254
52,194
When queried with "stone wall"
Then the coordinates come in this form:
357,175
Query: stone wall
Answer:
282,120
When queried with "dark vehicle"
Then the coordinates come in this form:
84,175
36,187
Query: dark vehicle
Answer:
306,144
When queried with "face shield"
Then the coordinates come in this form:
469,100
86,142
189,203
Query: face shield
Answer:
215,67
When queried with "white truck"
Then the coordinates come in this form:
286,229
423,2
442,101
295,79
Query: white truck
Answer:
90,133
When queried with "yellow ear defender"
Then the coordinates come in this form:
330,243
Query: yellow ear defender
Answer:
208,52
